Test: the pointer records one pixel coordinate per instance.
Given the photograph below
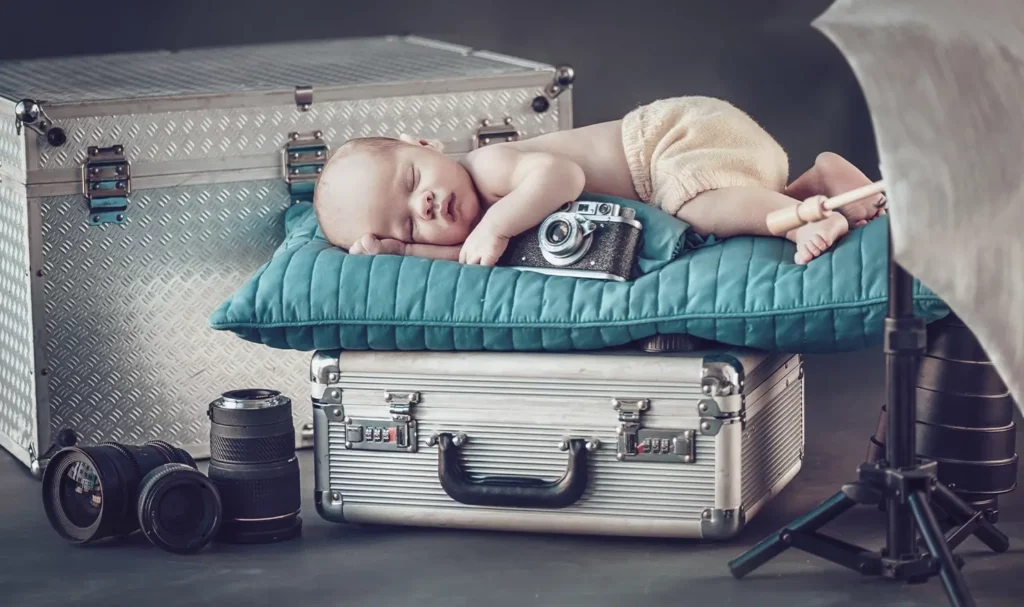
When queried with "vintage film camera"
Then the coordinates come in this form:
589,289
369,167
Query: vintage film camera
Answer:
584,239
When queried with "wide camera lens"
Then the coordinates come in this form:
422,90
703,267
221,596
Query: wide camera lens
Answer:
89,493
253,464
179,508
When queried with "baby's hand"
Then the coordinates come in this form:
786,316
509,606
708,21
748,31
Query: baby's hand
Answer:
483,246
369,244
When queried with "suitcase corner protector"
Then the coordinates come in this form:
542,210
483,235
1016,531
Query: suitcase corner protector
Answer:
323,367
718,524
721,375
330,506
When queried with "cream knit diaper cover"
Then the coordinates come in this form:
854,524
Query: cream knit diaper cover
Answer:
677,148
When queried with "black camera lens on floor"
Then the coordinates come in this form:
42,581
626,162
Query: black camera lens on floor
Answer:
97,492
179,508
253,464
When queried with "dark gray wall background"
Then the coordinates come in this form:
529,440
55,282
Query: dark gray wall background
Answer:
762,55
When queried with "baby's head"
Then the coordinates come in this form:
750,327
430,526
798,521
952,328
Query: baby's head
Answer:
405,189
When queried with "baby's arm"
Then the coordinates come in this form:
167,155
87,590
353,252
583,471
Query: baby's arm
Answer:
526,188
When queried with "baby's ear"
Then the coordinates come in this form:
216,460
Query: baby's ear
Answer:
427,143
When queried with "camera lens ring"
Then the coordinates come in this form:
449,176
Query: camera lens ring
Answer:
572,237
249,398
53,503
173,454
157,487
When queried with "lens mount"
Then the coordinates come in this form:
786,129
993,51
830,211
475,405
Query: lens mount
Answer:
562,240
249,398
179,509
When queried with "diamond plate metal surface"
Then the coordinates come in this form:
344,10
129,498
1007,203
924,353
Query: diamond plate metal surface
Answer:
12,146
239,69
129,353
225,133
17,356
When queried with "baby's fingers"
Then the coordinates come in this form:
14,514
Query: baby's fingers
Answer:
366,245
489,260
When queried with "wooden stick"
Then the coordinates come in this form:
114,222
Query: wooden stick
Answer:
817,208
854,195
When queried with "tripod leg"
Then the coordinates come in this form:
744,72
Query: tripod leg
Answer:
951,576
776,544
961,512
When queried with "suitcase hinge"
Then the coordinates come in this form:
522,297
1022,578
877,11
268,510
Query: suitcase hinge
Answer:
395,434
304,97
302,160
488,133
646,444
712,418
106,184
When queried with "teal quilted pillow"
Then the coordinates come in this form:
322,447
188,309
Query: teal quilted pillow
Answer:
743,291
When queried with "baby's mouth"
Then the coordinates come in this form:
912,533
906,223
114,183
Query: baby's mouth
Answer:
449,207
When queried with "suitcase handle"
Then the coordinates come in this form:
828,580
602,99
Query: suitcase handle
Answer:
511,491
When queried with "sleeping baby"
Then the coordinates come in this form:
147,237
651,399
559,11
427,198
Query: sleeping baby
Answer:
698,158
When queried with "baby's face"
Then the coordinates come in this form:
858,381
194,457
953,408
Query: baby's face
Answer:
411,193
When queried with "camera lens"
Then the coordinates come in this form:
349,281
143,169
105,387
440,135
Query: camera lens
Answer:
558,232
253,465
179,508
89,493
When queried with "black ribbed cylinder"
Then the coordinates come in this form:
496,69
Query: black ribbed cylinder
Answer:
253,465
964,417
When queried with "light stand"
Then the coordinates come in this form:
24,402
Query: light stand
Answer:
905,483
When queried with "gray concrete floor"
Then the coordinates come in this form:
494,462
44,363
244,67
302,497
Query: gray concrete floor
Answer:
340,565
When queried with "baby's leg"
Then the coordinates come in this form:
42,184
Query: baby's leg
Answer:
742,211
832,175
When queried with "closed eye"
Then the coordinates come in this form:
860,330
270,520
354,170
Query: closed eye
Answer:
414,178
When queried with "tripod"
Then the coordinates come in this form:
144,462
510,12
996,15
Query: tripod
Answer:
906,485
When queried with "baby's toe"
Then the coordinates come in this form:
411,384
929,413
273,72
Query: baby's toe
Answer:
803,255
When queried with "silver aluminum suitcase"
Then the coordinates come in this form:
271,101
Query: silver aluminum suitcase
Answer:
623,443
112,260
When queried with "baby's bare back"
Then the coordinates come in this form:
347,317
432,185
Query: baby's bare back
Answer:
597,149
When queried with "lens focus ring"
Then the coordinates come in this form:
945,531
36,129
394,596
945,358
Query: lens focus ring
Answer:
252,451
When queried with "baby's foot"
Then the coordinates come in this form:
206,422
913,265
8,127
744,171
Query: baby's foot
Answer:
863,211
815,238
837,176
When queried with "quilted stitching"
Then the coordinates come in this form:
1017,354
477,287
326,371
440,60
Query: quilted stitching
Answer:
742,291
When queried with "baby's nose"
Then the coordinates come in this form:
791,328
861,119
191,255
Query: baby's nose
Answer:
427,205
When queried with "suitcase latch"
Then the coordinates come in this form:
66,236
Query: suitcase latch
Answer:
302,160
647,444
396,434
106,184
500,133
